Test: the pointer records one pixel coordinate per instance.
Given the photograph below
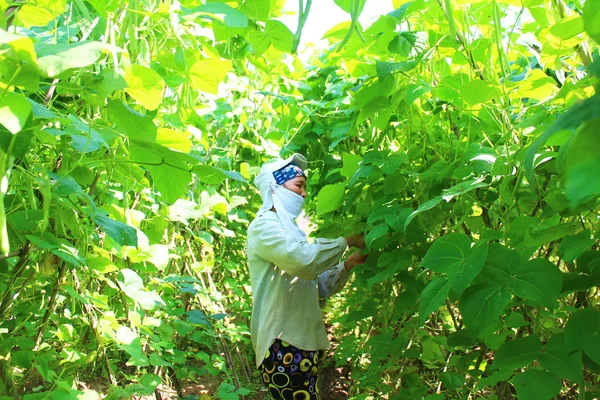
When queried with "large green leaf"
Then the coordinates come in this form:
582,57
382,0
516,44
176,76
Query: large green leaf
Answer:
571,247
534,384
132,123
538,280
385,68
481,305
133,286
559,361
583,162
478,91
572,118
583,332
171,181
281,36
502,264
454,255
591,19
433,297
14,111
145,85
221,13
128,341
258,10
518,353
121,233
330,198
214,175
54,59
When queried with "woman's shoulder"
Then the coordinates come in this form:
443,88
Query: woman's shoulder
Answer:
264,221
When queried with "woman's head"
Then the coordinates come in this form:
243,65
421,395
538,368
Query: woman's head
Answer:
293,178
297,185
282,185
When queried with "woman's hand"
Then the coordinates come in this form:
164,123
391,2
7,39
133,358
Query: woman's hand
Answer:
356,241
355,259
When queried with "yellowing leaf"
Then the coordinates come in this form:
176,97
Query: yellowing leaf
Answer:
568,27
206,74
145,85
41,13
21,45
173,139
537,85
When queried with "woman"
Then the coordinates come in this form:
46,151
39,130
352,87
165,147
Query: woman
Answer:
288,275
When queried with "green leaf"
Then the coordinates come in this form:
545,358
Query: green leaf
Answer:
481,305
121,233
213,175
583,162
346,5
452,380
561,362
145,85
170,181
428,205
281,36
583,332
132,123
538,280
258,10
128,341
14,111
350,164
572,118
591,19
518,353
432,297
534,384
568,27
385,68
502,264
378,232
260,42
571,247
54,59
222,13
133,286
447,252
454,255
330,198
477,92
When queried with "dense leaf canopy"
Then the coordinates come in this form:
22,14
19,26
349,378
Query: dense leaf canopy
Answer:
459,135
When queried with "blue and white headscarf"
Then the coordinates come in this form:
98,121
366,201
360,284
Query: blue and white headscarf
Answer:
287,203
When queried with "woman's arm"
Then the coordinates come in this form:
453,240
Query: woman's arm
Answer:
272,242
333,280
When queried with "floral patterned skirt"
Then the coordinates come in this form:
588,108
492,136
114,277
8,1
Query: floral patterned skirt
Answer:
291,373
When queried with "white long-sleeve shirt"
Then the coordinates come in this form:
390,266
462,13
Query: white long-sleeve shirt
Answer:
288,276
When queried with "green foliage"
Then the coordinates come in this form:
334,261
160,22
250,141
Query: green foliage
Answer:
464,150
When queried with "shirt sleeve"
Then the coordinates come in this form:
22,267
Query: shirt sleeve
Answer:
333,280
272,242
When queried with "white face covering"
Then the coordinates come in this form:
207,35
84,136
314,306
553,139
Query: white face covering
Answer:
288,204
